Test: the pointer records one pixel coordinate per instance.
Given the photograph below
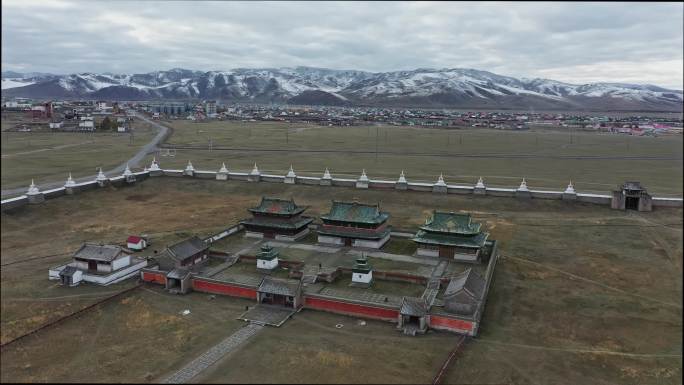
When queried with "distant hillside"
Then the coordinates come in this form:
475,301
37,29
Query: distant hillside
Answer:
453,88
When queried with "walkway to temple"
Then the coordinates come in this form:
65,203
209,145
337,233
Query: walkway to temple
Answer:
214,354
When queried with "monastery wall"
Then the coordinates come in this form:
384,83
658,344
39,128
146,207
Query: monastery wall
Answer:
120,181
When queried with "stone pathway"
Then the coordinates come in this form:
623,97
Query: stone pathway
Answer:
267,315
212,355
395,257
322,249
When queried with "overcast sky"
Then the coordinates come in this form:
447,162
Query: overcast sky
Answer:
571,42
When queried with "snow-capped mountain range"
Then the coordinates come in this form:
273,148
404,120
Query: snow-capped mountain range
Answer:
449,87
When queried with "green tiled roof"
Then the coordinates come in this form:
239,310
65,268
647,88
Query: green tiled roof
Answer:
475,241
278,224
452,223
277,206
355,212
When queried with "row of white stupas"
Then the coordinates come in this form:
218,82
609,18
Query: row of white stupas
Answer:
33,189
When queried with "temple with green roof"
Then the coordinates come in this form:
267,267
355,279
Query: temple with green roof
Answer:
279,219
354,224
451,235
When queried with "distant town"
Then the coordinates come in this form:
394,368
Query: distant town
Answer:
63,115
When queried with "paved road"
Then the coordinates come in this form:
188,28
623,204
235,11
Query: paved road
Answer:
132,162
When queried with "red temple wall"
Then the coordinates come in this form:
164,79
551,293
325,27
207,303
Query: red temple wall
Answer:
451,324
223,288
351,309
159,278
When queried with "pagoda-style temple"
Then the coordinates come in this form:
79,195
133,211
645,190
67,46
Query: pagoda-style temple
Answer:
354,224
451,235
279,219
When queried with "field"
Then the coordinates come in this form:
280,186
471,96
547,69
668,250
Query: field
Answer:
49,157
582,294
502,158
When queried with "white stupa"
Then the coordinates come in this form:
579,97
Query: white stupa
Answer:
189,167
100,176
223,169
523,186
255,170
33,189
363,177
70,182
127,171
402,178
440,181
154,166
291,173
144,168
326,174
480,183
570,189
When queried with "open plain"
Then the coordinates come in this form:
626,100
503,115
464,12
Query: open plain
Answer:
581,294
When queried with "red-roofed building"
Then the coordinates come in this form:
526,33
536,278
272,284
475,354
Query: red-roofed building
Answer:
135,242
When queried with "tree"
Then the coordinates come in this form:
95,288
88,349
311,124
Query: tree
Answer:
106,124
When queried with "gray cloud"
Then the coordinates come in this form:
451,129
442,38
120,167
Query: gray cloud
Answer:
571,42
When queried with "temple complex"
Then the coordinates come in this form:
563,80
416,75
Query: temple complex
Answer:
277,219
451,235
354,224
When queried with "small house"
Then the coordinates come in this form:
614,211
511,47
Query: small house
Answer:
99,264
135,242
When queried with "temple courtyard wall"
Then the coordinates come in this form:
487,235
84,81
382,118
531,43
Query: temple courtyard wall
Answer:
120,181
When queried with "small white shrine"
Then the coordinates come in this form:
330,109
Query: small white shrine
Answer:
401,182
254,175
440,186
291,177
363,180
327,178
222,173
